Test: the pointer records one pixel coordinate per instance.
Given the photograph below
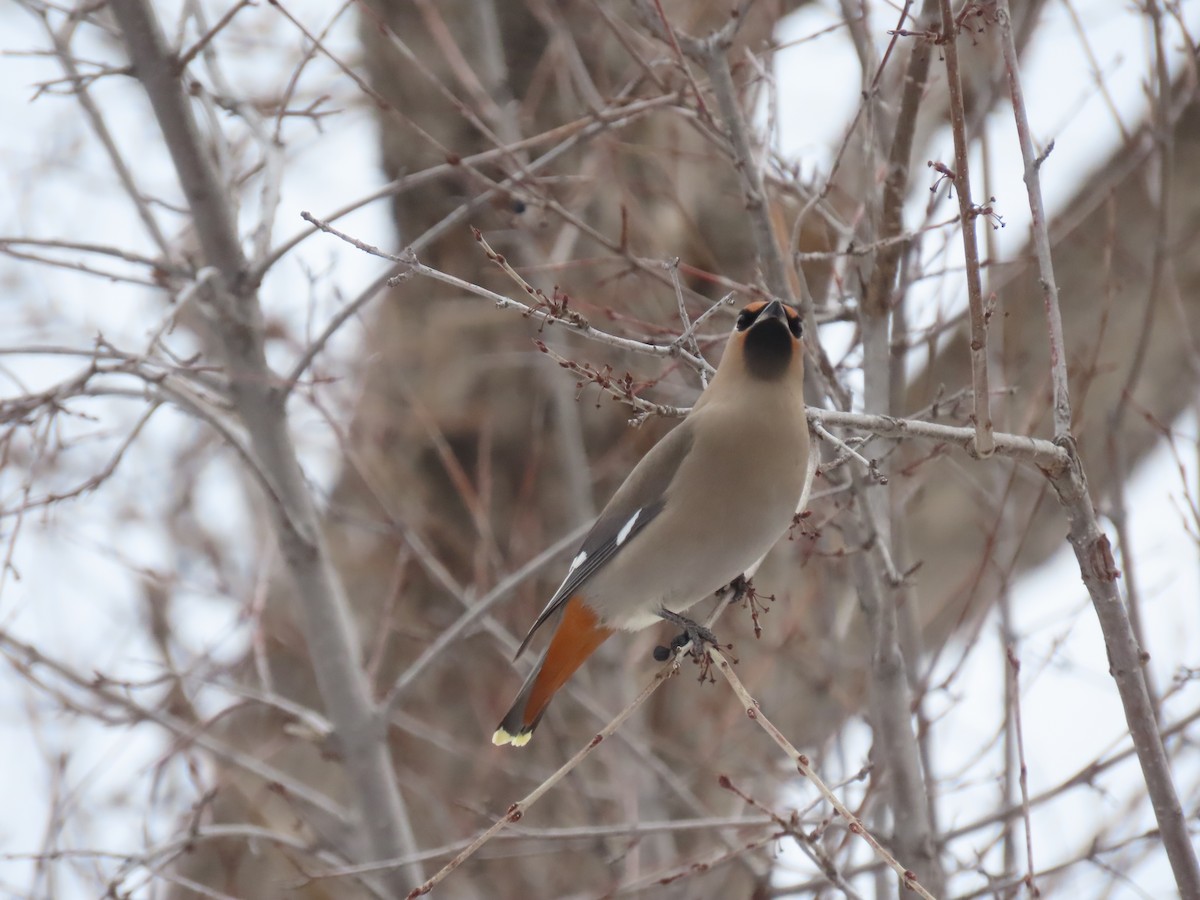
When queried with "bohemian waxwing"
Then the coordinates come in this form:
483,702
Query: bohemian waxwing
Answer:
700,509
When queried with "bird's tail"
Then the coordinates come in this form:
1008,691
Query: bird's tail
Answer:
578,635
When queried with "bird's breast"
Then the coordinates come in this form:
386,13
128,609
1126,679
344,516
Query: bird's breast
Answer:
734,497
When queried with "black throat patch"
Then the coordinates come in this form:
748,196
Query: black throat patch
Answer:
768,349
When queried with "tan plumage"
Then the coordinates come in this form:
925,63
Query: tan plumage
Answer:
702,507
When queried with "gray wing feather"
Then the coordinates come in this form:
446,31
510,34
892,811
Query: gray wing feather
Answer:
643,494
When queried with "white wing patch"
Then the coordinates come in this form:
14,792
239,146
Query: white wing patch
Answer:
579,560
600,549
627,528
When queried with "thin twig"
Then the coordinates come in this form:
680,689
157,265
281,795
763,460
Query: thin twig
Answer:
668,32
564,317
100,126
848,452
517,833
469,616
571,135
1014,692
808,844
775,271
205,39
1155,289
519,808
340,318
7,241
106,692
687,338
984,441
688,333
1039,228
701,866
907,878
1041,453
891,681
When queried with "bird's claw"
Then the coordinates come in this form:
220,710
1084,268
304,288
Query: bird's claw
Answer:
693,632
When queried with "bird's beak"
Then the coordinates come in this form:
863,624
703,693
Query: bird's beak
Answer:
774,310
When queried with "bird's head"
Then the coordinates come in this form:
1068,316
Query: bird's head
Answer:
766,341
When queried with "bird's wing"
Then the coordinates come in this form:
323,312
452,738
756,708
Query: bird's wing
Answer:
632,507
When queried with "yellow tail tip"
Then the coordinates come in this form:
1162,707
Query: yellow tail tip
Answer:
502,737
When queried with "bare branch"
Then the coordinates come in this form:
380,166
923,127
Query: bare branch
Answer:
331,638
907,878
961,180
520,807
1092,550
1039,227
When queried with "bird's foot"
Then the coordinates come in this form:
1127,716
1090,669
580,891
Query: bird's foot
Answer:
695,634
738,588
702,635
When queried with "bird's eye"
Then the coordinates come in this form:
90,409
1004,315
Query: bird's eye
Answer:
794,325
746,319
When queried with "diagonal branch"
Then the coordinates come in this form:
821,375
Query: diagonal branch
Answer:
261,406
520,807
907,877
1092,550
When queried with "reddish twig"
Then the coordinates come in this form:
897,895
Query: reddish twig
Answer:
984,440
